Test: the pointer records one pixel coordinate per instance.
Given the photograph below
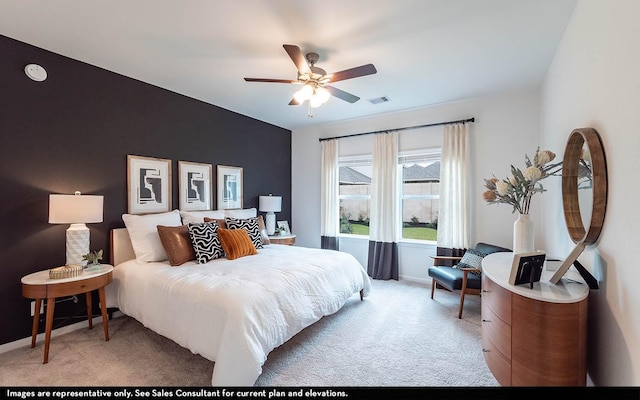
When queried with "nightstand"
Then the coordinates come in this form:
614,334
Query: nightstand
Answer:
39,286
283,239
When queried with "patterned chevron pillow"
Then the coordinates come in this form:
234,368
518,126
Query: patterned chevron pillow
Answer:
206,242
248,224
472,258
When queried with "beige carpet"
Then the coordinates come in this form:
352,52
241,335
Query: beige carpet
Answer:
397,336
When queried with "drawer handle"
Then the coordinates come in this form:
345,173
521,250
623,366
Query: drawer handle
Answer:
486,351
486,320
485,291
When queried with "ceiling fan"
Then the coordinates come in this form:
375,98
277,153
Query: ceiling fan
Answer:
316,81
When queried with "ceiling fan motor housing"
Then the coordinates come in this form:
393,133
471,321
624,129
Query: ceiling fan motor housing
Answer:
316,73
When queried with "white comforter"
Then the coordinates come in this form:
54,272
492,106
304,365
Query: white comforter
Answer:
235,312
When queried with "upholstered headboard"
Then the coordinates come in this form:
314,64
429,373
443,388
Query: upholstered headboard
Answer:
121,249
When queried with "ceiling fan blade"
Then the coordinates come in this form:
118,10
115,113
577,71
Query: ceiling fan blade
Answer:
270,80
362,70
341,94
298,58
294,102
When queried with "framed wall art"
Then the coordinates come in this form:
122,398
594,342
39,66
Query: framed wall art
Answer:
229,187
148,184
195,186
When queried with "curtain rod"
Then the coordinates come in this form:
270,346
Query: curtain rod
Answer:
402,129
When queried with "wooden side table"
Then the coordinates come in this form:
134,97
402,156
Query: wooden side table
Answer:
39,286
283,239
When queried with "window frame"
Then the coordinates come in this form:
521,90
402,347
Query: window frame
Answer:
353,161
432,154
428,154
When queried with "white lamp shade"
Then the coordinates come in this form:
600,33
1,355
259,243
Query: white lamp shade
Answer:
270,203
75,208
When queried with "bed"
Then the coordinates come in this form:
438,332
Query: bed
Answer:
233,312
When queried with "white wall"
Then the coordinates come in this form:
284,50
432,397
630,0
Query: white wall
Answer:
506,128
594,81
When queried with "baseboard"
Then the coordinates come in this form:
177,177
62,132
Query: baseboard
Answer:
415,279
26,342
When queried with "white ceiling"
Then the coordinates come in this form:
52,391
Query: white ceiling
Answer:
426,51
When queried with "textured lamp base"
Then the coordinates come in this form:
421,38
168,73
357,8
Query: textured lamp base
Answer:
271,223
77,243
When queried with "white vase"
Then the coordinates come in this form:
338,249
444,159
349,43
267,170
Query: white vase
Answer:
523,234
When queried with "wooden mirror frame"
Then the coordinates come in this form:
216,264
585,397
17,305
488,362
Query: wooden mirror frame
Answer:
572,215
572,154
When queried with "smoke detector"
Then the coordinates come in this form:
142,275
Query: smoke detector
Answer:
35,72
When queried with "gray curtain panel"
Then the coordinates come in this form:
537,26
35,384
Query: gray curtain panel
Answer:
329,243
383,260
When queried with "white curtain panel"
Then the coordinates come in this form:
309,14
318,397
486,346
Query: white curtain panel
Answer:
384,211
330,205
454,218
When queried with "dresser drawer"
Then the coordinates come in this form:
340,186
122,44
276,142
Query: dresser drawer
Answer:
497,298
496,331
497,363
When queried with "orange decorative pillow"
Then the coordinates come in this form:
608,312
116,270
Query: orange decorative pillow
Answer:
177,244
236,243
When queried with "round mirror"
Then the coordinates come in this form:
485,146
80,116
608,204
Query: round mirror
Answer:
584,185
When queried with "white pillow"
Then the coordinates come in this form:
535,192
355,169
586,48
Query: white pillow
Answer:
143,231
241,213
197,217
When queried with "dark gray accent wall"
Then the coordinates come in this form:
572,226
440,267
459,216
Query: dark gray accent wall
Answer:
74,131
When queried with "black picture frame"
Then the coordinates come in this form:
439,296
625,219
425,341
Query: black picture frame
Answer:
527,268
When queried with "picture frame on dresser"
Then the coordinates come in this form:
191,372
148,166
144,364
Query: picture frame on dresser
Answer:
229,186
527,268
148,184
195,186
284,227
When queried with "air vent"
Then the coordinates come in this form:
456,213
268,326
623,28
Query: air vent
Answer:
379,100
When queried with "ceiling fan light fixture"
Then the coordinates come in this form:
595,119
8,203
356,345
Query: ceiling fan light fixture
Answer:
322,94
315,102
303,94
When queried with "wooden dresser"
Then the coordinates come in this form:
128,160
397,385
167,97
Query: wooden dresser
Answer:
533,337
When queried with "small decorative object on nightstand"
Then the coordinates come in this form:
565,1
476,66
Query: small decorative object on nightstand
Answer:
40,285
93,259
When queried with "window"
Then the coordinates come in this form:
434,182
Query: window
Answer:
420,193
355,195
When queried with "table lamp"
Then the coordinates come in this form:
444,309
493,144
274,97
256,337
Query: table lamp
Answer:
270,204
77,210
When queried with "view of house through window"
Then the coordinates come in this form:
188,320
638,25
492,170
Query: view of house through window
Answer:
420,177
